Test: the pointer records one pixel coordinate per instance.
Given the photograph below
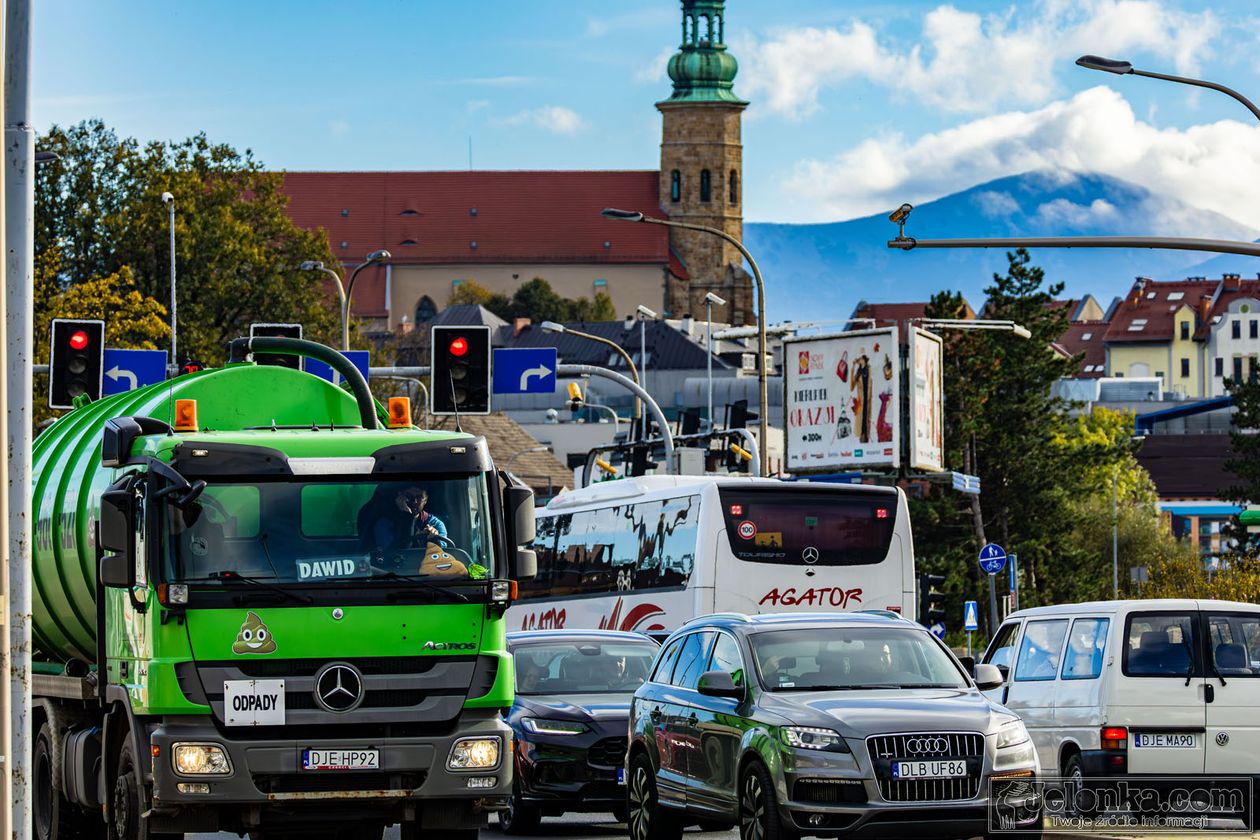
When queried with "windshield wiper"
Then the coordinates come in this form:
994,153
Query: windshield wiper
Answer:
229,576
410,580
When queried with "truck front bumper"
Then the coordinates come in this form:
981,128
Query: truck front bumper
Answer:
268,773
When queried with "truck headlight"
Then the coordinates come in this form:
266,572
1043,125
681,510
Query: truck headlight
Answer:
474,754
200,760
542,726
1012,734
813,738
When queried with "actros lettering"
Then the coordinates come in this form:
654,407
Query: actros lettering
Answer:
820,596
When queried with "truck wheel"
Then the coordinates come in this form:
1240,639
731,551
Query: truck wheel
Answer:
519,817
125,805
52,815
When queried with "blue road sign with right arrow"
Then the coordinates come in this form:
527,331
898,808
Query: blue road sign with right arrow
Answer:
971,618
992,559
127,370
525,370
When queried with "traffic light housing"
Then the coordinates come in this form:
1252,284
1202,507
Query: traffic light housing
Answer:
281,331
460,370
76,361
931,600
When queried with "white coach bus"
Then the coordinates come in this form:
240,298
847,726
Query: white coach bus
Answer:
650,553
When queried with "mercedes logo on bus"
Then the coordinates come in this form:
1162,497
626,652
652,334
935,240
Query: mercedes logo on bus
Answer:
339,687
927,745
810,554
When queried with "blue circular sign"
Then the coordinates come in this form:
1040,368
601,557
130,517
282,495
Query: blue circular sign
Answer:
992,559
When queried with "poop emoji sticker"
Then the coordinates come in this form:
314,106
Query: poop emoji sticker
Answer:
437,562
254,637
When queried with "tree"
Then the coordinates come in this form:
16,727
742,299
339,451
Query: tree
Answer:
536,300
472,292
1244,462
237,250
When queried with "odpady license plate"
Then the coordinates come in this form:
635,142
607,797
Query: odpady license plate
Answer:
341,759
1173,740
928,769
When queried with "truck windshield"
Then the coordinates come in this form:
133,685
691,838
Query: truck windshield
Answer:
333,530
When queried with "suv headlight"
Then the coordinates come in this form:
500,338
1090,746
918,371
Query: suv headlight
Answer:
200,760
542,726
1012,734
474,754
813,738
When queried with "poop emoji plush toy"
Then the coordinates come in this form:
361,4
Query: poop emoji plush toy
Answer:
254,637
437,562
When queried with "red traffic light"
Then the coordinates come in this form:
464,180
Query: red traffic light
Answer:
459,346
78,339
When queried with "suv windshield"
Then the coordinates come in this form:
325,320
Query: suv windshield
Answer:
333,529
582,667
839,658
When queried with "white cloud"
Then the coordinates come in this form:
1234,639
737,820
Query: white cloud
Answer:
553,118
1213,166
995,205
1062,212
968,63
654,71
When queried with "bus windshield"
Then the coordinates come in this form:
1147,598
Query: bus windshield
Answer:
808,525
333,529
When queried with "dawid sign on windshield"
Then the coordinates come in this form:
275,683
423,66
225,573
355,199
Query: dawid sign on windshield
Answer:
843,400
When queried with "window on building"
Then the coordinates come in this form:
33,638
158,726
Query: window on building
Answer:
1238,368
1185,330
675,186
1185,368
1086,336
1235,328
1253,371
425,310
600,284
1220,367
706,185
734,186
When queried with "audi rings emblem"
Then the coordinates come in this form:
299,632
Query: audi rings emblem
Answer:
927,745
339,687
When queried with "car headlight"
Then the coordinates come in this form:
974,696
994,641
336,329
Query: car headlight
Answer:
200,760
474,754
1012,734
813,738
542,726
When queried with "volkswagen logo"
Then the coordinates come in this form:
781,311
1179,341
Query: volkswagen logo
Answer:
810,554
1222,738
927,745
339,687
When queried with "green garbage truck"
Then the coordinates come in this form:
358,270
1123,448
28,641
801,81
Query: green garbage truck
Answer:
268,606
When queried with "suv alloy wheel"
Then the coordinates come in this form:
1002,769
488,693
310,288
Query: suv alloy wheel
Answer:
648,820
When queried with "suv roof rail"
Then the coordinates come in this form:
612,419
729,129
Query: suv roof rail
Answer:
884,613
735,616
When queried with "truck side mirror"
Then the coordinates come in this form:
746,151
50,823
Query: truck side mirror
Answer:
115,537
519,503
526,564
115,571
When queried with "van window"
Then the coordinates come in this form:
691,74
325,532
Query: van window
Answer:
1002,649
1039,650
1160,645
1234,644
1085,648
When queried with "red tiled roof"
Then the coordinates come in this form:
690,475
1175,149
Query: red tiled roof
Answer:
1230,291
896,314
1156,303
477,217
1075,341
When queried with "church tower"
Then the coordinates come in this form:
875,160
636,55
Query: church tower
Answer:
702,166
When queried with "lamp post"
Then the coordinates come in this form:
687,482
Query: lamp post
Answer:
344,290
764,430
645,315
1124,68
552,326
710,300
169,201
540,448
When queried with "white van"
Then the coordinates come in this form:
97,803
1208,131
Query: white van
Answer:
1129,688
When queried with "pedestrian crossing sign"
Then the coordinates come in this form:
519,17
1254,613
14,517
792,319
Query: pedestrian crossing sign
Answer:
971,621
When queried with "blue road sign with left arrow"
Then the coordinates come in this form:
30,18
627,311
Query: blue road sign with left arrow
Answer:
525,370
127,370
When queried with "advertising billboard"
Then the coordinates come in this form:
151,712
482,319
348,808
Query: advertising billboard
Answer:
927,432
842,401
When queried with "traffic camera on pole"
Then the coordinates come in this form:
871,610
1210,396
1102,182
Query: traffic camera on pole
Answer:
76,361
931,601
576,400
460,369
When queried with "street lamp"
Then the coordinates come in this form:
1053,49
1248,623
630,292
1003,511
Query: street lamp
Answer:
540,448
374,257
553,327
645,315
764,431
169,200
710,300
316,265
1124,68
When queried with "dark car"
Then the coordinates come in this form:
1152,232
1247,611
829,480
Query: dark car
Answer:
570,721
831,725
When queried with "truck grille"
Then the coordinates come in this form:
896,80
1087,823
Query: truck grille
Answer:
333,782
884,749
610,752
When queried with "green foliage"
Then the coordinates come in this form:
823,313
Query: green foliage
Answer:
472,292
1183,576
536,300
237,250
1244,462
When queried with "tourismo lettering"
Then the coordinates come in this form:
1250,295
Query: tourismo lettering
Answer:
255,702
820,596
325,568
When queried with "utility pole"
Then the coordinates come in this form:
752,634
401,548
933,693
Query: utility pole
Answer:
19,198
169,201
6,740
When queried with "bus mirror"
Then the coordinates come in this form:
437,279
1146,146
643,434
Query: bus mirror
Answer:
519,502
116,528
526,564
988,677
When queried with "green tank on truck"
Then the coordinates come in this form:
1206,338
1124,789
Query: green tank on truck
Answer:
259,610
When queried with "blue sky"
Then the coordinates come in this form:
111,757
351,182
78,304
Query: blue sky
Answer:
856,106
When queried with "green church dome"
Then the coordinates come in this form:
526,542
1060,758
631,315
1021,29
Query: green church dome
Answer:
702,70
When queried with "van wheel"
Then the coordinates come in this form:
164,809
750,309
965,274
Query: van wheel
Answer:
759,807
649,820
1075,776
53,816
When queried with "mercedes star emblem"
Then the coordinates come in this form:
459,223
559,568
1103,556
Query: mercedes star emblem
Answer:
810,554
339,687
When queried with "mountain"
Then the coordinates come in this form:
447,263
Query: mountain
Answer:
821,271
